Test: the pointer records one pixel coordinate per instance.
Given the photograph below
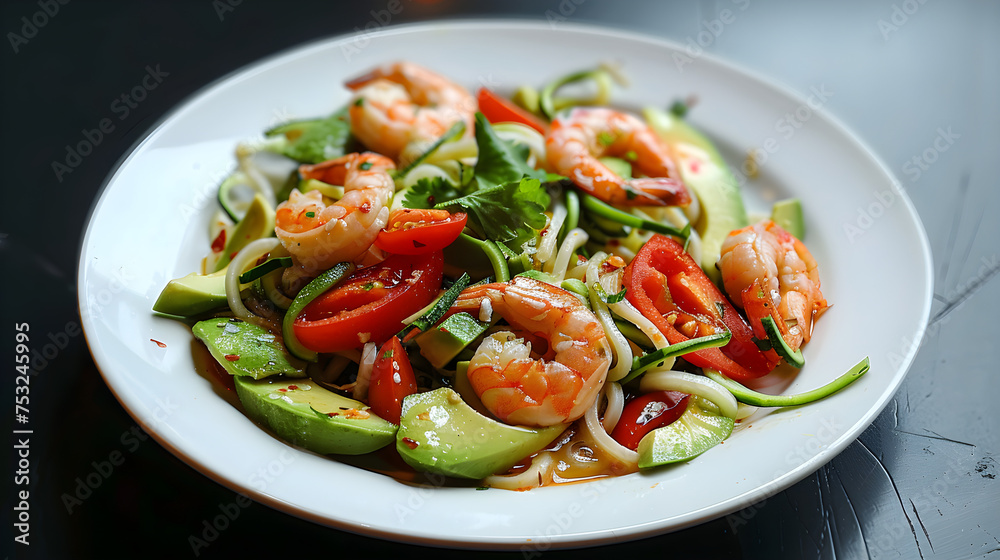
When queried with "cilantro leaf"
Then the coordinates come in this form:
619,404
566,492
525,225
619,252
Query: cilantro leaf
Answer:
505,212
500,162
430,191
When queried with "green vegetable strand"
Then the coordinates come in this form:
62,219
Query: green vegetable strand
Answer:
549,104
572,214
609,212
500,269
641,363
753,398
265,267
309,292
443,304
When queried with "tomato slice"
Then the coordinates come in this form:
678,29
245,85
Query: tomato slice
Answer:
671,290
371,304
647,412
758,305
498,109
392,380
413,231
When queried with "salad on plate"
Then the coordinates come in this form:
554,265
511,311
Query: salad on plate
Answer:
514,291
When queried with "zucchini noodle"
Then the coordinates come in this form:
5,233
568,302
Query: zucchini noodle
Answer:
619,344
575,239
240,263
534,476
600,436
698,385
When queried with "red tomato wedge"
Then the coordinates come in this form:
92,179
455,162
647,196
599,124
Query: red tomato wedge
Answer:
671,290
371,304
757,305
392,380
414,232
647,412
498,109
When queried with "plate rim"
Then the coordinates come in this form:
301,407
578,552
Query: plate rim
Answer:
649,529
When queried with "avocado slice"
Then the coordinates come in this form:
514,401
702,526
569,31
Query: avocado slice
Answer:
307,415
193,294
440,344
787,214
258,222
705,172
700,428
440,433
245,349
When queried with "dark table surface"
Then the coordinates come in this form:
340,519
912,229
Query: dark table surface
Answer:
917,80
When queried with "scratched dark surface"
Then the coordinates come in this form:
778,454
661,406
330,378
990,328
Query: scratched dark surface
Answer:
917,80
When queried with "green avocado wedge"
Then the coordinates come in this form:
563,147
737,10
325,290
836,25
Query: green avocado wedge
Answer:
193,294
246,350
258,222
441,434
699,429
705,172
309,416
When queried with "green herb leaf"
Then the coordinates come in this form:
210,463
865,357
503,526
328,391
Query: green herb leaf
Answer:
500,162
506,212
428,192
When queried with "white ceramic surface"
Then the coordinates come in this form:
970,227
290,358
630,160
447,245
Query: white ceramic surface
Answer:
150,225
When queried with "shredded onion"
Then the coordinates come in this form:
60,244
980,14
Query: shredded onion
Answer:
368,354
593,425
547,247
575,239
697,385
533,477
619,344
616,403
240,263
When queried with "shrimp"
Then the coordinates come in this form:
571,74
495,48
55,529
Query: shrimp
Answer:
556,388
766,253
574,144
402,103
319,236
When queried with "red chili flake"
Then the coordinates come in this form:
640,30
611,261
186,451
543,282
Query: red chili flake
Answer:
366,207
232,357
158,343
292,387
219,243
332,414
282,390
410,443
262,259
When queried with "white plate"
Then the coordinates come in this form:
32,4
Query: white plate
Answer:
150,225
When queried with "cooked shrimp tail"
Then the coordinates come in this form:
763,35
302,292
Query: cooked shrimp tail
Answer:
576,142
556,380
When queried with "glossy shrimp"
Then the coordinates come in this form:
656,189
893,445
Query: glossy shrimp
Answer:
319,236
785,270
564,381
576,142
402,103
